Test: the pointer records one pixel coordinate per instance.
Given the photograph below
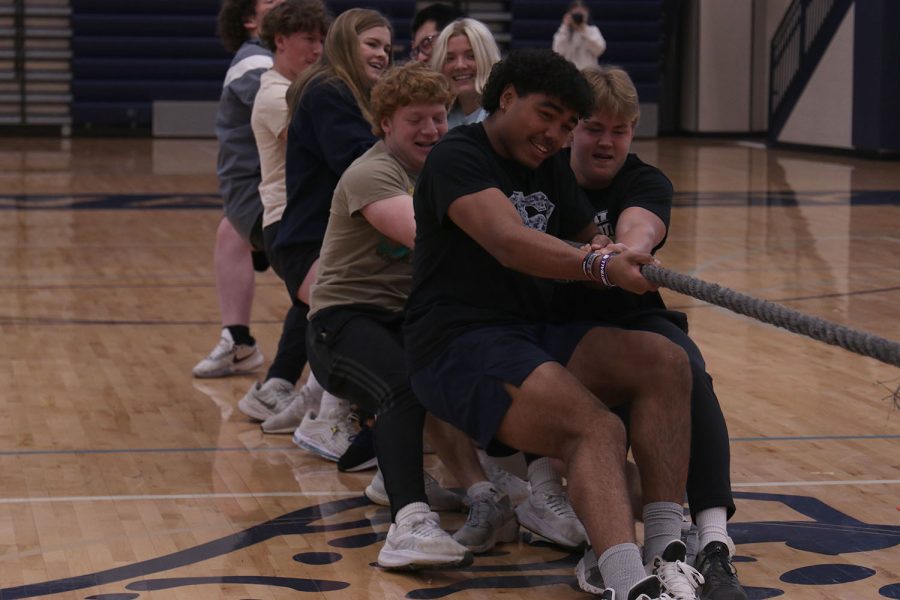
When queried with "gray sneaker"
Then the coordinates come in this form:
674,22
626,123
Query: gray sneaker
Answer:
549,514
491,521
265,400
513,486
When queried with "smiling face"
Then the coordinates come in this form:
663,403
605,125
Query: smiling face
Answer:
600,146
297,51
530,128
459,66
413,130
375,51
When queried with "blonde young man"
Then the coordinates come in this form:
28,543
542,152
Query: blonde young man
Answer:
632,202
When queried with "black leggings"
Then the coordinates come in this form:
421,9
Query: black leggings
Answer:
291,355
356,353
709,470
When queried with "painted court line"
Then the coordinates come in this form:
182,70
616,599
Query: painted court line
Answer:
144,497
787,438
761,484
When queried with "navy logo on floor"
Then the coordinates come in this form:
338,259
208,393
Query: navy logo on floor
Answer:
827,532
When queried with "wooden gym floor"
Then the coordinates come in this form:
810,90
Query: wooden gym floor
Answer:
123,477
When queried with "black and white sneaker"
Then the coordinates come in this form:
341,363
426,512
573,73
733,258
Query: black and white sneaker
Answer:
360,454
721,581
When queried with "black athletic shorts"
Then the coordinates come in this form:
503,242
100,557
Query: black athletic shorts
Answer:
464,384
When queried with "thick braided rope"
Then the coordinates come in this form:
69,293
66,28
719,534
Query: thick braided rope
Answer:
866,344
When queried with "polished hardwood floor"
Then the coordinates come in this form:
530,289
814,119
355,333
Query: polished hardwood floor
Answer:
123,477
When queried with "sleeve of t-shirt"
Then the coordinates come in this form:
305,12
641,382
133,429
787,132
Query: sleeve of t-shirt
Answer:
270,109
373,181
340,128
455,167
245,87
651,190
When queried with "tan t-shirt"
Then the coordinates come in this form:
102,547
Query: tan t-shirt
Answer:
269,120
358,264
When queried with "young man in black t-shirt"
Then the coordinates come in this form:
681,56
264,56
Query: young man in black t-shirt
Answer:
632,202
493,205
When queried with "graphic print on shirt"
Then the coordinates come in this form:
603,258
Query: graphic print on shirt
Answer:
535,209
391,251
601,220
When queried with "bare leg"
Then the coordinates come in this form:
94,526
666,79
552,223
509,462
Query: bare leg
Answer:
235,279
654,375
552,414
456,450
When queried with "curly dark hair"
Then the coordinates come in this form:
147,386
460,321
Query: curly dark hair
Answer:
291,16
232,15
539,70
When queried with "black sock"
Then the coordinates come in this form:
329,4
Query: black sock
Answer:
241,334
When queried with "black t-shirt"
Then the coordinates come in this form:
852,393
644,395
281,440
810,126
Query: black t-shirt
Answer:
457,284
636,184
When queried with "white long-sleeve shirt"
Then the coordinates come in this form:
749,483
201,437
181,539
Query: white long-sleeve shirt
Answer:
582,47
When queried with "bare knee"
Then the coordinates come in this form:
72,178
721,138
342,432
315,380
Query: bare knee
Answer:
664,365
600,429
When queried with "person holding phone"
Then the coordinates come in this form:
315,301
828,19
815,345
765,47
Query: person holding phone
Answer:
576,40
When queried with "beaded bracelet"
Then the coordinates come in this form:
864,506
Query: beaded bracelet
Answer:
588,263
604,275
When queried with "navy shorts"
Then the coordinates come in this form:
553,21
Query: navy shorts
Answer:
464,384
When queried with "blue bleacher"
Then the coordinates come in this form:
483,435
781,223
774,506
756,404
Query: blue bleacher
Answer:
126,54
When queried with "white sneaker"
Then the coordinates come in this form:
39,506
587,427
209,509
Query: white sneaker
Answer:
289,417
549,514
228,358
267,399
587,572
491,521
680,580
376,492
417,541
515,487
439,498
327,435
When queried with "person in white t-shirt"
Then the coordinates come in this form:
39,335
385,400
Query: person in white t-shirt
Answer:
577,40
294,31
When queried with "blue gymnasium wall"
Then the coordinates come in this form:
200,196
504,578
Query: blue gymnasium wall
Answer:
876,76
127,55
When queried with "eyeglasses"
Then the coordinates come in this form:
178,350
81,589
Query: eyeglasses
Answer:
424,47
